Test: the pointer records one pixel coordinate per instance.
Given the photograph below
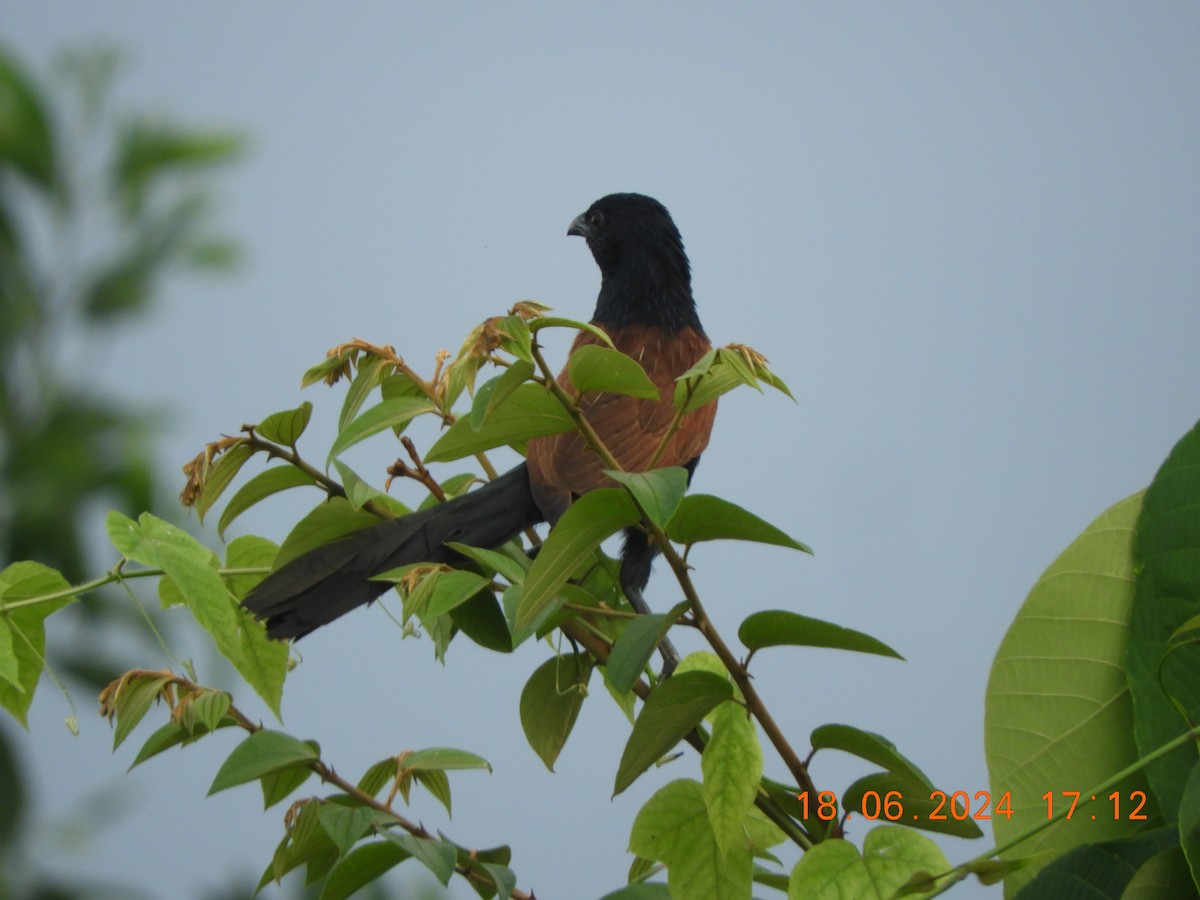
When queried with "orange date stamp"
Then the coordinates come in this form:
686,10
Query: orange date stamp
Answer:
893,806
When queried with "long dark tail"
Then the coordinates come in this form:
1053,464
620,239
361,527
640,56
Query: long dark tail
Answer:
323,584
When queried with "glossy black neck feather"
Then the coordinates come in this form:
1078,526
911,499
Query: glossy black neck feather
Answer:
646,280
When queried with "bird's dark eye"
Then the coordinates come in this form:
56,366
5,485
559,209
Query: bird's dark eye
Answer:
596,218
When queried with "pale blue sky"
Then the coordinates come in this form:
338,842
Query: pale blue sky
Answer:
967,235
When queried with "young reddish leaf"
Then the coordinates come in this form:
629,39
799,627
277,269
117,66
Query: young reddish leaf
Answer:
261,753
582,528
550,703
702,517
776,628
595,368
674,708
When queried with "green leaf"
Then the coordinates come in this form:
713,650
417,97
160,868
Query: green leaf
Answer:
437,856
637,643
277,786
1165,679
359,492
673,827
550,703
918,803
366,379
325,369
1105,867
1164,875
394,414
493,560
559,322
529,411
658,492
333,519
891,857
9,670
193,569
582,528
867,745
25,581
220,475
482,620
673,709
147,149
1058,714
27,141
493,394
777,628
436,782
594,368
346,824
702,517
173,735
248,552
732,764
443,759
1189,819
360,867
262,753
453,589
285,427
381,773
261,486
133,701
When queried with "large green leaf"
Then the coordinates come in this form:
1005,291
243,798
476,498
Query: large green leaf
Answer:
732,764
1102,870
702,517
26,632
193,570
673,709
261,486
263,753
550,703
673,827
1058,714
891,857
529,411
582,528
387,414
1164,677
595,368
335,518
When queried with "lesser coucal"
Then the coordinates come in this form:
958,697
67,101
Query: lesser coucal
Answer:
646,308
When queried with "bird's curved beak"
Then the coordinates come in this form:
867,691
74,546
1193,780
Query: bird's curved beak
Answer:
579,227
